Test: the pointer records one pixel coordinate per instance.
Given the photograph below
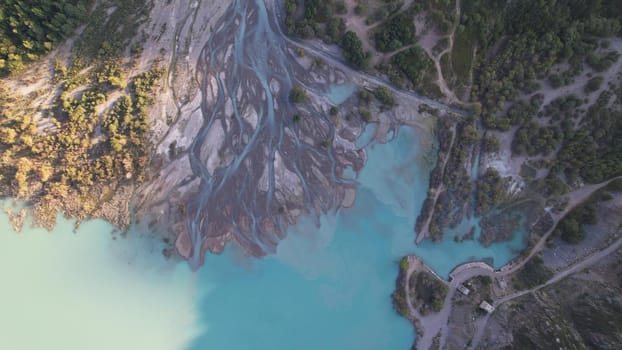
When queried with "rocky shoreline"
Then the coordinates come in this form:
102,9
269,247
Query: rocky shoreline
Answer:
16,219
115,210
419,296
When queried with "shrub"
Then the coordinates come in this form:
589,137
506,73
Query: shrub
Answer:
298,94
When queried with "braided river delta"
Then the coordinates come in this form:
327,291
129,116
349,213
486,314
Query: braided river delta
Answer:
327,287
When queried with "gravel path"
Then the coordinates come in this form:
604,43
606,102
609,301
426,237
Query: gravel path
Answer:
336,61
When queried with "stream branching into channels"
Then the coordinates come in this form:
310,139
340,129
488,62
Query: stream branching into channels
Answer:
257,163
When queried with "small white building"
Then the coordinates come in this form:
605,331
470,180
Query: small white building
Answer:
462,289
484,305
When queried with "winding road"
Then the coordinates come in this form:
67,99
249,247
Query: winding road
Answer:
589,261
438,323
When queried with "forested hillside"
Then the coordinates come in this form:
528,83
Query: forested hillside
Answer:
29,29
539,46
90,138
522,40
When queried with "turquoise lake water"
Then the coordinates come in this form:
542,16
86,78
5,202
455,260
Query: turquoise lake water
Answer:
367,135
87,291
337,94
326,288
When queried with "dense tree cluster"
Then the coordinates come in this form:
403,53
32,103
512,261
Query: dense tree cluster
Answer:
108,35
469,135
385,96
412,69
524,42
552,185
490,191
441,12
601,63
415,65
395,33
522,112
571,228
353,50
63,157
490,144
319,19
586,143
381,10
593,84
533,274
563,108
316,18
429,293
91,137
29,29
594,150
532,139
533,35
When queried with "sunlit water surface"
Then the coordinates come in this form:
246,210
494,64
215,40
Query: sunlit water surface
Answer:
86,291
326,288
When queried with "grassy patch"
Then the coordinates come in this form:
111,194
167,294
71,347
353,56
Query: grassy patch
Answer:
446,67
462,55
